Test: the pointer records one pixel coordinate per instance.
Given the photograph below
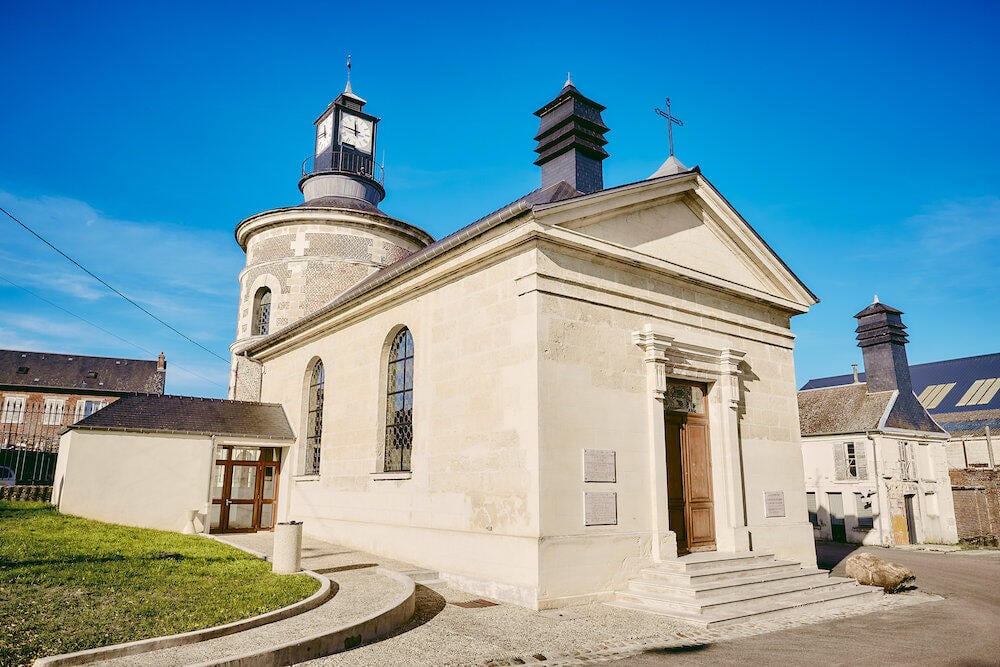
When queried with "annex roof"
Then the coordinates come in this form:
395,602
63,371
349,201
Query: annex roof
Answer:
852,409
155,413
968,384
109,375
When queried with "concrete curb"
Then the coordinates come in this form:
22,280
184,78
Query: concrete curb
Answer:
374,627
156,643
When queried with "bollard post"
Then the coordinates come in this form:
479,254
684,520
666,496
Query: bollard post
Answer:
287,548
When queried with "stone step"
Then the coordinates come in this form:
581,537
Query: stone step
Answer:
774,592
750,584
710,560
745,569
425,577
763,607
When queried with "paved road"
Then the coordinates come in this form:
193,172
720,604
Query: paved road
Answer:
963,629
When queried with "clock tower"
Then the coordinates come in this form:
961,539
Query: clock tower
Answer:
343,162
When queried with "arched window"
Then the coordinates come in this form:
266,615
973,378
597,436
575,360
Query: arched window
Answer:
314,419
261,312
399,403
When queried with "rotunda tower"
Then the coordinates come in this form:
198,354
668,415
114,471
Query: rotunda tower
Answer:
300,258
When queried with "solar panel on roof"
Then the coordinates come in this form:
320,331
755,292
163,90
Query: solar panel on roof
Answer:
981,392
932,396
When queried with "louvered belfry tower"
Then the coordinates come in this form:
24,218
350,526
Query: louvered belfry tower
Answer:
300,258
571,141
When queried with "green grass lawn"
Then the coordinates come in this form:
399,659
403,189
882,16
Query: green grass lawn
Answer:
68,584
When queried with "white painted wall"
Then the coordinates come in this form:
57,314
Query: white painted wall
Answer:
145,480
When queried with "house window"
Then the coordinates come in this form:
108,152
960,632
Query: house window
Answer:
314,419
907,465
864,507
53,411
811,507
13,410
86,408
261,312
399,403
850,461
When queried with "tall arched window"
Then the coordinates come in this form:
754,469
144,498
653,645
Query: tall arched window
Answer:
399,403
314,419
261,312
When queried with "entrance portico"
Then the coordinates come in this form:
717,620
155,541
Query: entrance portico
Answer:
672,364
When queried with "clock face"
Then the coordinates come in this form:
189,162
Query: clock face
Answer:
356,132
324,134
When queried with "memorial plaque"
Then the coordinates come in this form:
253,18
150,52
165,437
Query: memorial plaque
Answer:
599,465
774,504
600,508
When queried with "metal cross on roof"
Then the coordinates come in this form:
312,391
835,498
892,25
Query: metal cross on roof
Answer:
670,123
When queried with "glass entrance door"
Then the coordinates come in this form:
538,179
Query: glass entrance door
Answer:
244,489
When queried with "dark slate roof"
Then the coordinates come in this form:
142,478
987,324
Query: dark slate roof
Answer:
970,424
351,203
189,414
73,371
851,409
963,372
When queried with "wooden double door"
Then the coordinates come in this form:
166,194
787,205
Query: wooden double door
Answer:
690,504
244,489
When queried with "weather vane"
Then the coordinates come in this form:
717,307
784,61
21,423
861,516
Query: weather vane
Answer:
670,123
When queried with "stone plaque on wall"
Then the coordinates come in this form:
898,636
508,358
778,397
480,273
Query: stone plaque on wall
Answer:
774,504
600,508
599,465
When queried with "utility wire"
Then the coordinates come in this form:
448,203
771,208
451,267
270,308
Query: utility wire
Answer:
110,333
105,283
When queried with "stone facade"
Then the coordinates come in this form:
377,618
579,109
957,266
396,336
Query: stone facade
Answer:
535,340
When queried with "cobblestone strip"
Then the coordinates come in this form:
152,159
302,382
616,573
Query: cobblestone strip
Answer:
697,636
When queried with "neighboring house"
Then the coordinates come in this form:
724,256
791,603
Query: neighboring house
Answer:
963,396
40,392
875,461
582,383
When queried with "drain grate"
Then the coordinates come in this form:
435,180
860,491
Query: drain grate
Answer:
475,604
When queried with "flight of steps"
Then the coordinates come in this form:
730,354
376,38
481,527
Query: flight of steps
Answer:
710,588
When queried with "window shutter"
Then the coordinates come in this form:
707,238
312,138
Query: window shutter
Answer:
840,460
861,456
81,405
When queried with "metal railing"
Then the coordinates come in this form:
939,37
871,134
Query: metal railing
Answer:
349,162
29,441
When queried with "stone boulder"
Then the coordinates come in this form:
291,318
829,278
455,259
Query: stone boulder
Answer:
870,570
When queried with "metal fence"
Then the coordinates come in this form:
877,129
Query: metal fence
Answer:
29,441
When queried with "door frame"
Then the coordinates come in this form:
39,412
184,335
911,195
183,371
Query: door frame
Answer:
225,502
678,419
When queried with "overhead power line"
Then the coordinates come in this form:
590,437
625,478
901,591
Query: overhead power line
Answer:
110,333
113,289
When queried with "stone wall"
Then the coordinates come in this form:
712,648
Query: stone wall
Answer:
977,505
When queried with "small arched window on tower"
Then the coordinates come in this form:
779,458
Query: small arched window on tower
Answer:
314,419
399,403
261,312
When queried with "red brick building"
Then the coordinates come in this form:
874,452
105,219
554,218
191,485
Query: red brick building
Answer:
41,392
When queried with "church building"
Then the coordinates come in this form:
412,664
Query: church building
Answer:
585,382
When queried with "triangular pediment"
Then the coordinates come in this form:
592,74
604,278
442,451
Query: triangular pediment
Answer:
682,221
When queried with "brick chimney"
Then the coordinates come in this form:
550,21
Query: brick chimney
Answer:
570,141
161,363
882,339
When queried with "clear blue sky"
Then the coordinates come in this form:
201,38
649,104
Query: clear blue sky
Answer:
860,140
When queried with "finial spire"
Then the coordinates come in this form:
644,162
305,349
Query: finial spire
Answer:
348,88
670,123
876,299
569,80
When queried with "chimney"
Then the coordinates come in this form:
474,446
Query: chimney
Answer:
570,141
855,368
161,363
882,340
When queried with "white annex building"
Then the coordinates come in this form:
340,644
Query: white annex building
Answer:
584,383
876,461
